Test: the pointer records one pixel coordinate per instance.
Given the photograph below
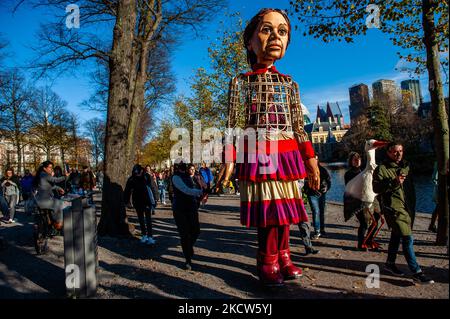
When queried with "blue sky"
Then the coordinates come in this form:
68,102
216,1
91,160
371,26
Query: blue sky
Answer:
323,71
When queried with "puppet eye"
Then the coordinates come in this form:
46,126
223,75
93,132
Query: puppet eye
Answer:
266,30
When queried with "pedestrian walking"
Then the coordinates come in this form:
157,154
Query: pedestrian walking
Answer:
365,239
317,200
162,186
153,184
303,227
392,181
26,184
10,185
185,205
137,189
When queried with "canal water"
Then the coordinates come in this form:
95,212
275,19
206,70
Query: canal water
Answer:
422,183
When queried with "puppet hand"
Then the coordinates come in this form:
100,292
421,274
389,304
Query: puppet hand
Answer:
313,173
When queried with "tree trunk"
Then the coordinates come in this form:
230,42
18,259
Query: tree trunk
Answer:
144,39
18,151
113,221
96,156
63,159
440,117
137,106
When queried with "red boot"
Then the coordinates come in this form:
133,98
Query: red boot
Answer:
288,269
268,270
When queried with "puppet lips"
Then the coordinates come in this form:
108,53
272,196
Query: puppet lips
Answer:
274,46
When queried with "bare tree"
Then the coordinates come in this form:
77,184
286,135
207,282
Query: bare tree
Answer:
95,131
15,98
46,120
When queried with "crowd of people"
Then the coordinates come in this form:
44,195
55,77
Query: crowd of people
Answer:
45,187
187,187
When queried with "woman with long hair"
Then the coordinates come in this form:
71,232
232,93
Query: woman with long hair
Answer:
45,183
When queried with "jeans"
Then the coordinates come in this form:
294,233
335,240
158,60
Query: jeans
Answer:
11,200
318,205
408,250
4,208
145,223
162,195
305,234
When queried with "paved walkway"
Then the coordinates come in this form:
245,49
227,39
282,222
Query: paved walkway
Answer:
224,262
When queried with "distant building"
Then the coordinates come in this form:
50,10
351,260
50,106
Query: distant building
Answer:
327,130
385,89
424,110
412,88
32,156
359,100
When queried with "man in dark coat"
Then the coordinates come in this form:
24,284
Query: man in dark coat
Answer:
393,183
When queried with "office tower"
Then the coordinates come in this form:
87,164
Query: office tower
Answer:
359,100
385,90
414,92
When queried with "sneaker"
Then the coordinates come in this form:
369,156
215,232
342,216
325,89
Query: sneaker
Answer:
316,236
432,228
311,250
150,241
144,239
392,268
188,266
420,278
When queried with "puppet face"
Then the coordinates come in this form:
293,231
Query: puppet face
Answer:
269,41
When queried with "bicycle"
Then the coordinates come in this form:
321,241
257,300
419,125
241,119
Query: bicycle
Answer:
41,230
44,227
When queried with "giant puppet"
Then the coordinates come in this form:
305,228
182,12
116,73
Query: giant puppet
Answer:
269,103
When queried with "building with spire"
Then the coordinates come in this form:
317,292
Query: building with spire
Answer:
327,130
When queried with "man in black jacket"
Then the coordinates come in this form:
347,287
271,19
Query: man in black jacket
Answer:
317,200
